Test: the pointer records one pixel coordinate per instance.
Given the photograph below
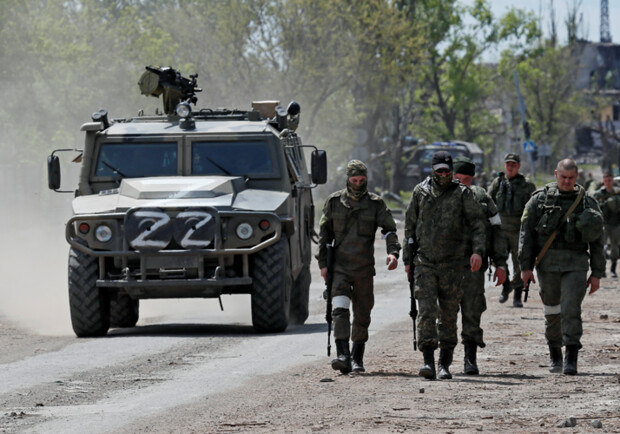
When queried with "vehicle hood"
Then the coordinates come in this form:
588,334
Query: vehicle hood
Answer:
222,192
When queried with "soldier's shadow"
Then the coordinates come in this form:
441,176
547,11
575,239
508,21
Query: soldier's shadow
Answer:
496,379
387,374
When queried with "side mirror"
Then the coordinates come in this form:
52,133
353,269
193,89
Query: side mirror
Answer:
53,172
318,165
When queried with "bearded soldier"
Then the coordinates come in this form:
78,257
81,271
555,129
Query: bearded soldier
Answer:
473,303
511,191
350,220
562,235
439,213
608,198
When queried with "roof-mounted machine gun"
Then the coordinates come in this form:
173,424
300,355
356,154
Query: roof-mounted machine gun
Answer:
176,88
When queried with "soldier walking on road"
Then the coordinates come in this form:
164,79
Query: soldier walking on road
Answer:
510,191
350,220
473,303
608,198
439,213
562,234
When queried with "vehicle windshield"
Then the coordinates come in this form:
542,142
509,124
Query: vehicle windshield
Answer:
137,160
242,158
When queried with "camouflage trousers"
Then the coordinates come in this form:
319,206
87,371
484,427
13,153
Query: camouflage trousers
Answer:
359,290
612,233
513,246
438,293
473,304
562,294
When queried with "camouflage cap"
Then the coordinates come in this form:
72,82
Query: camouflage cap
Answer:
464,166
512,157
356,168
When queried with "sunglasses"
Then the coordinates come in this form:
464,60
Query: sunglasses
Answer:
442,171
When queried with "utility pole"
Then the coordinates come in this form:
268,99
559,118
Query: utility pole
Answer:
528,145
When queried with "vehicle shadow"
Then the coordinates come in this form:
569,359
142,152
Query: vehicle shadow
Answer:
210,330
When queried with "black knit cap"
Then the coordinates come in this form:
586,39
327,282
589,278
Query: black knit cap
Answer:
464,166
442,160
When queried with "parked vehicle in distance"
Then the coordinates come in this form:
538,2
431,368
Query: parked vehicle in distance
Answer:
420,164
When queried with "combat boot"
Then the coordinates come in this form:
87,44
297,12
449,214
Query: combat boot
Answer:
570,360
357,357
505,292
555,361
445,360
428,370
342,362
516,301
470,359
613,269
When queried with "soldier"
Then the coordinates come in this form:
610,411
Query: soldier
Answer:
439,213
350,219
608,198
511,191
562,235
473,303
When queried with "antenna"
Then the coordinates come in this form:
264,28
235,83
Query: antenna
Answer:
605,35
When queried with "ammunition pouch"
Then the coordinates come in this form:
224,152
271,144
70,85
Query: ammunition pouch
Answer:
550,219
590,224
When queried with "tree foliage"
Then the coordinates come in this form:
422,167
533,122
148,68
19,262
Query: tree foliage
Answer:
366,73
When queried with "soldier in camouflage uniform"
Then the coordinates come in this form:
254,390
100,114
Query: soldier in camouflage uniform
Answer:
563,268
439,213
608,198
510,192
350,220
473,303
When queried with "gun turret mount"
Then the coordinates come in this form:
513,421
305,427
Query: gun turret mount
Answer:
176,88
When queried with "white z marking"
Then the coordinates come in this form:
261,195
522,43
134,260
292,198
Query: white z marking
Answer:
187,240
161,219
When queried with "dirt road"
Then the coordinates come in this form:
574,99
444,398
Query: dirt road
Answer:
186,371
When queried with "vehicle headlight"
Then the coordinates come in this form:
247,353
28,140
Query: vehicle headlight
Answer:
244,231
183,109
103,233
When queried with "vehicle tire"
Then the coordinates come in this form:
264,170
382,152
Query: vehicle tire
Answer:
89,305
300,300
271,288
124,310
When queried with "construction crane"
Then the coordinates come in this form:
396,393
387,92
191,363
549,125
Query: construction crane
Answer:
605,34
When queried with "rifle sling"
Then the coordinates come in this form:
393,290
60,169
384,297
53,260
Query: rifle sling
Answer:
555,232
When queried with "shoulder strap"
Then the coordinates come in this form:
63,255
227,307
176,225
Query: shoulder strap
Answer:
555,232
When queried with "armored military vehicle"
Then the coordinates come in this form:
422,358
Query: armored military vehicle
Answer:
419,166
190,203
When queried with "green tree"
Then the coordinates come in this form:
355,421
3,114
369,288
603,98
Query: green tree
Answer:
456,88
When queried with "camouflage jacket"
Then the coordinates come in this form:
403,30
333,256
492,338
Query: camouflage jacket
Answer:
437,221
609,201
496,244
568,252
353,224
510,196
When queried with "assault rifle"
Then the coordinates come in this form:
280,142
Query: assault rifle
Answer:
413,312
329,279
